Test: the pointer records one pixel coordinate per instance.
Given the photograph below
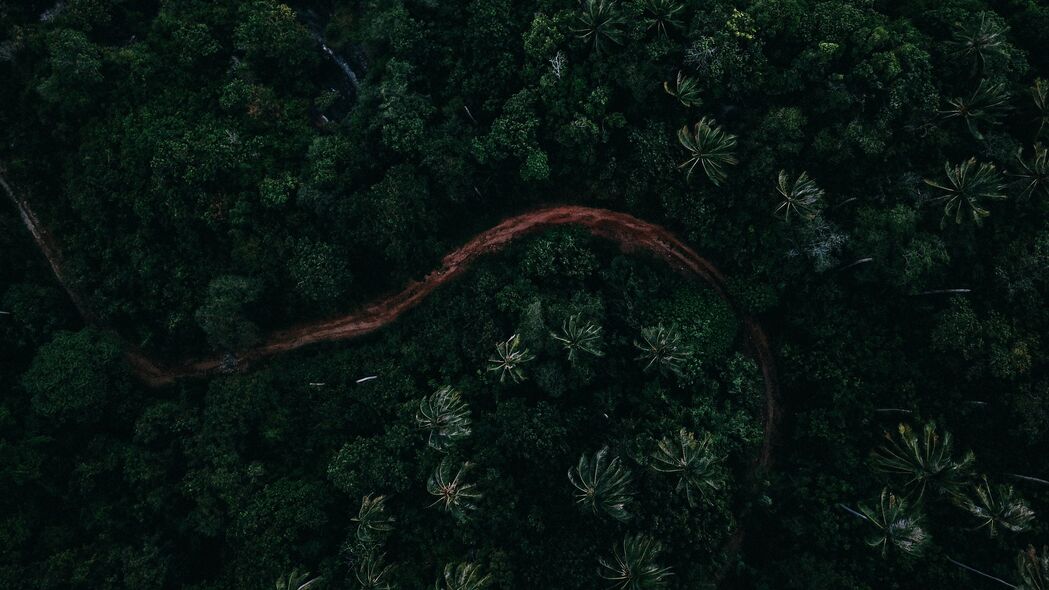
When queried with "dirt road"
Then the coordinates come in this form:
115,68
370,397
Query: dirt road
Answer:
626,230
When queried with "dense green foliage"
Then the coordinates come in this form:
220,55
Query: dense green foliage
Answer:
870,173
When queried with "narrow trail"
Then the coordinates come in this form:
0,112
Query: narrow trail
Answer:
631,233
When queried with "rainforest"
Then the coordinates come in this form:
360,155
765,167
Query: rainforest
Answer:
533,294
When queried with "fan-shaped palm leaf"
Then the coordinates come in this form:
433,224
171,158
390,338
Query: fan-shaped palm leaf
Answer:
661,16
800,197
373,524
1033,569
446,416
462,576
579,336
602,485
508,359
709,146
686,90
600,23
454,494
695,463
663,349
373,573
1033,176
633,566
296,581
979,39
899,526
925,461
968,185
997,507
985,107
1040,96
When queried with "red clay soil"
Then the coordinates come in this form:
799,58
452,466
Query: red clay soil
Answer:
626,230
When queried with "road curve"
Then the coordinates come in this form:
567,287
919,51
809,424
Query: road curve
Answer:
626,230
629,232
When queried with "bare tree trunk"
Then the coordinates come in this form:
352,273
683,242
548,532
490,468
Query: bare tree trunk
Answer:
856,263
976,571
853,512
1028,478
943,292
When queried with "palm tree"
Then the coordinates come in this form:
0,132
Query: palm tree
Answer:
462,576
978,40
986,106
602,484
997,506
662,15
508,358
899,526
686,90
925,461
709,146
800,197
373,524
373,573
1034,569
453,493
968,185
599,22
1034,173
446,416
662,348
578,336
632,566
1040,96
695,462
296,581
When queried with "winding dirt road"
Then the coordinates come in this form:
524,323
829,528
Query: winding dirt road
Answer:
629,232
626,230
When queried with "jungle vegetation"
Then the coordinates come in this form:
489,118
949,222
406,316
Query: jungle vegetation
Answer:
871,176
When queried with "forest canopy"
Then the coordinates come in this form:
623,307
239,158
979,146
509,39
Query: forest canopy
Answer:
870,178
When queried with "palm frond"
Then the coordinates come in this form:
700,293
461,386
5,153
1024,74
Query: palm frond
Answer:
633,567
685,89
924,461
997,507
602,484
800,197
1040,97
373,573
662,16
373,524
508,359
600,23
1033,176
696,464
579,336
968,185
985,107
296,581
662,348
446,416
1033,569
898,524
462,576
454,494
978,40
708,146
